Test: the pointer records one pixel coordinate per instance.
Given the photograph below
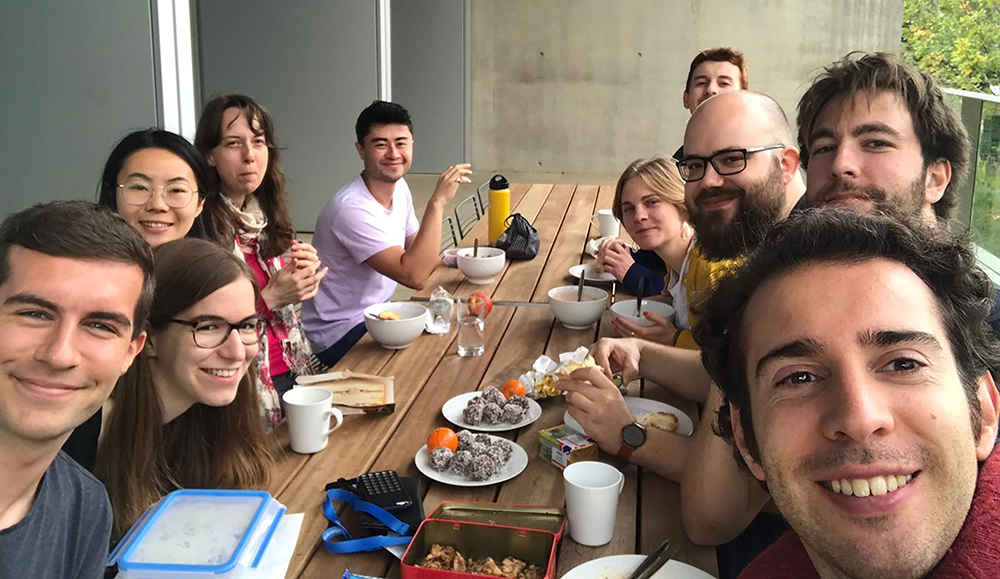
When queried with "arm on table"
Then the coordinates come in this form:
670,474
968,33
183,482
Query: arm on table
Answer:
718,499
413,265
595,402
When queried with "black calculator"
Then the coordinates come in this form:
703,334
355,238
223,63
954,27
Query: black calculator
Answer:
384,489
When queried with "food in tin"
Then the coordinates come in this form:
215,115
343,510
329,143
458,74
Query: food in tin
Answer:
447,558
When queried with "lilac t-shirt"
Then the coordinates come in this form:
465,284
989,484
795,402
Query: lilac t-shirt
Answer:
351,228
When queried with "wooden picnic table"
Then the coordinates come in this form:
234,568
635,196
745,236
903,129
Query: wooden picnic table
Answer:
429,372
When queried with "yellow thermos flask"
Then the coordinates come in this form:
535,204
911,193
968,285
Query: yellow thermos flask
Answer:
499,206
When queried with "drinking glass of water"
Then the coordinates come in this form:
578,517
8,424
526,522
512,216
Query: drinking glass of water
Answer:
471,328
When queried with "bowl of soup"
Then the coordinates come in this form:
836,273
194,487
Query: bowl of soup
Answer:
484,266
394,325
626,309
577,315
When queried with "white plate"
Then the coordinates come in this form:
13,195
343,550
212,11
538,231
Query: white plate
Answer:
621,566
590,274
454,408
639,407
515,464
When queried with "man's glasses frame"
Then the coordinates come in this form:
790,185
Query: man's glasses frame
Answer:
727,162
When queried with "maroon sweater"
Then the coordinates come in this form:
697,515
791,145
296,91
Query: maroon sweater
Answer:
975,553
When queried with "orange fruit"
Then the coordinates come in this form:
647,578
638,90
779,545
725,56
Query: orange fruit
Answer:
442,437
513,388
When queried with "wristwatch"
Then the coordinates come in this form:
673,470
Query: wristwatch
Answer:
633,436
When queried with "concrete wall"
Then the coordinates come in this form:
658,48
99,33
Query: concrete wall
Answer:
74,78
586,86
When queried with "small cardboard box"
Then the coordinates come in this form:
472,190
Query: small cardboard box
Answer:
563,446
355,393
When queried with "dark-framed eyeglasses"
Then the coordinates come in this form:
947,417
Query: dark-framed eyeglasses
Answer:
728,162
213,332
138,192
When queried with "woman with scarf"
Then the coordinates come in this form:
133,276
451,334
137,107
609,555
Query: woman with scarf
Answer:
236,135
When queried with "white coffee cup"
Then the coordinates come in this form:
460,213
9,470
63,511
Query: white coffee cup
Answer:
607,223
592,490
309,409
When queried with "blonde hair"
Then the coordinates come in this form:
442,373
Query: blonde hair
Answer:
139,458
660,174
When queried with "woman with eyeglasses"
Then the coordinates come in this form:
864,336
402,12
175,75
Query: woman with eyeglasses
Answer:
649,201
159,183
186,413
236,135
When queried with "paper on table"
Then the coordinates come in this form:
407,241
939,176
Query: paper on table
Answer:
279,551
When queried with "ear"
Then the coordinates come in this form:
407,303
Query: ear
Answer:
686,99
150,347
201,206
361,150
134,347
741,445
989,405
210,157
790,160
936,180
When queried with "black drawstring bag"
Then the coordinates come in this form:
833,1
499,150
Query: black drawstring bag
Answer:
520,240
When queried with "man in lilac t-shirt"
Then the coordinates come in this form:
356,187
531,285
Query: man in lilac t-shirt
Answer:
368,233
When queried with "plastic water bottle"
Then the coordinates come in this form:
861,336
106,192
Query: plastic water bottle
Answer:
499,206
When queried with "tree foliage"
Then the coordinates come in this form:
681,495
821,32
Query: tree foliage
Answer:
956,41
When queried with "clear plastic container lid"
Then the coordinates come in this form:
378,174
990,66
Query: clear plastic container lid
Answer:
200,531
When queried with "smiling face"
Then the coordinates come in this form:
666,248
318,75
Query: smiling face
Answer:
387,152
731,213
865,435
709,79
67,336
241,155
165,174
649,219
186,374
865,154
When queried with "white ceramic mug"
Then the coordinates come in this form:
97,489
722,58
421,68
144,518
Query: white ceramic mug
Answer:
592,490
309,409
607,224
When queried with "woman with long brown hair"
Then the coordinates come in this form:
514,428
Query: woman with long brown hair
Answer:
236,135
186,413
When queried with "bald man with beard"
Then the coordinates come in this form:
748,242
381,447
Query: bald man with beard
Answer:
740,166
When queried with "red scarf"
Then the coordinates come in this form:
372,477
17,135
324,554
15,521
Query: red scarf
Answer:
975,553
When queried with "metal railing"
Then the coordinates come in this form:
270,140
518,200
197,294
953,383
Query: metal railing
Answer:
978,204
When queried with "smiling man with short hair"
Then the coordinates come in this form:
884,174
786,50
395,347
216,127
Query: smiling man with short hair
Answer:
854,356
75,289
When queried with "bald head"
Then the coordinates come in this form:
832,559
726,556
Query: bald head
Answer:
751,115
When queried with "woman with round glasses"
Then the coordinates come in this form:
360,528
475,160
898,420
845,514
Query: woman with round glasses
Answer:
236,135
158,182
649,201
186,414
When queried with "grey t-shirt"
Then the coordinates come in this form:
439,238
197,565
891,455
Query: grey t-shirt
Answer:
66,533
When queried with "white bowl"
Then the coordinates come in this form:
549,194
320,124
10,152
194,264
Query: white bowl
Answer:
396,334
482,269
577,315
626,309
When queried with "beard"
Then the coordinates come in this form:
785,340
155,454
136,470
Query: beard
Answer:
760,207
907,203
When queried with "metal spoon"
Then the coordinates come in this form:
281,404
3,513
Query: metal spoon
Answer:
579,289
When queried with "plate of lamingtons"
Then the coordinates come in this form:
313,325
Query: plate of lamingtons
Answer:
479,460
648,413
490,411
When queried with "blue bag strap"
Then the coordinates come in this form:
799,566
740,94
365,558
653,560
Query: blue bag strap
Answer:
337,539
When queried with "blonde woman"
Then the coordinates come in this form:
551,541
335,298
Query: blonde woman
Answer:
649,201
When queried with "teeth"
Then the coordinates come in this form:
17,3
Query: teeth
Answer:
222,373
155,225
875,486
